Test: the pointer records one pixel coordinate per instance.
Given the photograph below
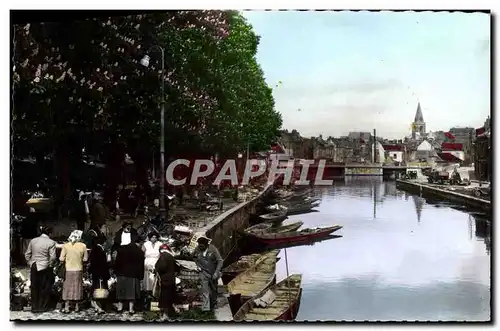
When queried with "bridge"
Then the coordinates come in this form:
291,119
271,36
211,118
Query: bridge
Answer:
341,170
372,166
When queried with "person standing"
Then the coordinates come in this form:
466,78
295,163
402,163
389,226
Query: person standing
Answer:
41,257
98,213
151,250
166,267
82,211
98,267
209,261
73,254
29,229
125,236
129,269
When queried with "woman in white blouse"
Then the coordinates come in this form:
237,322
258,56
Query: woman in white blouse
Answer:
151,250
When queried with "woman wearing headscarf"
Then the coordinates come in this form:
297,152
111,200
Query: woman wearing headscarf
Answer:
129,269
151,249
166,267
98,267
73,254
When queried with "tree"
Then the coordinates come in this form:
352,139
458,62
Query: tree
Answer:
80,84
82,80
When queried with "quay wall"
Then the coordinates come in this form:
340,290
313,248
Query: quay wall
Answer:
427,190
222,230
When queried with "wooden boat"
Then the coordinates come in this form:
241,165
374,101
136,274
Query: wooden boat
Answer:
283,194
258,228
245,262
293,207
275,217
268,228
296,197
279,302
294,236
302,208
285,228
252,281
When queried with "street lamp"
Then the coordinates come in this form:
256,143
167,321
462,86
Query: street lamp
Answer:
145,62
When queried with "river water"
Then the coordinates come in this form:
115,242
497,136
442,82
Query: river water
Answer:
400,258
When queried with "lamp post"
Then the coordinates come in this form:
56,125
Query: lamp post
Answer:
145,62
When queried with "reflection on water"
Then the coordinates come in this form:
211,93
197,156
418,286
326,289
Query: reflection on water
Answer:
400,258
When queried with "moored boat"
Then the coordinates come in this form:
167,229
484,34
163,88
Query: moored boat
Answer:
301,209
258,227
252,281
268,228
300,197
294,208
294,236
245,262
280,302
275,217
286,228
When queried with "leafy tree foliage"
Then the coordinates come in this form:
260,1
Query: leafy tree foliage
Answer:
80,84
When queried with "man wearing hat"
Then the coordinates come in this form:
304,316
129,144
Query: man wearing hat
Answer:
209,261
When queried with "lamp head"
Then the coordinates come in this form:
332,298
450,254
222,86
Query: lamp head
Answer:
145,61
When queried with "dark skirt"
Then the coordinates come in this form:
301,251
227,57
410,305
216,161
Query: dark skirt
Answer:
167,294
73,286
128,288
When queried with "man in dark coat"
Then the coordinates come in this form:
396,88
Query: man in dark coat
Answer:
98,267
98,213
82,211
208,259
166,267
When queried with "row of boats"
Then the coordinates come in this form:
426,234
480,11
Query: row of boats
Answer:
271,232
251,283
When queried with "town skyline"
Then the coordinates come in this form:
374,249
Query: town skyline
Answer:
408,135
388,63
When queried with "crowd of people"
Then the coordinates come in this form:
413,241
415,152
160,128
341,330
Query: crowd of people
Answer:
147,268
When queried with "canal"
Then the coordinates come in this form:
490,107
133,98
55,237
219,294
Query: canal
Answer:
400,258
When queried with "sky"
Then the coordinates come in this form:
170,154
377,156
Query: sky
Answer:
359,71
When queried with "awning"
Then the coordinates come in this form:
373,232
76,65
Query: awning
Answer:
449,157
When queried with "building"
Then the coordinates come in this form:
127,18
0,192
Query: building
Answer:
466,137
377,153
394,153
482,153
287,141
452,152
361,136
418,125
323,149
425,151
344,152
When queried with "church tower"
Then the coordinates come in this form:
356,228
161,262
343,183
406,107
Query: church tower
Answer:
418,125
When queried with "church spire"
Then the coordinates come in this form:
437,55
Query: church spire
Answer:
419,118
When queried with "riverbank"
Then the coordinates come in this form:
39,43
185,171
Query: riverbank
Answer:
214,224
457,194
222,230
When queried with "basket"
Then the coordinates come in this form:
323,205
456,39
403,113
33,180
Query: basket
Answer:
100,293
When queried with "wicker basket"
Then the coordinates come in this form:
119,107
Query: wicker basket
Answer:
100,293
